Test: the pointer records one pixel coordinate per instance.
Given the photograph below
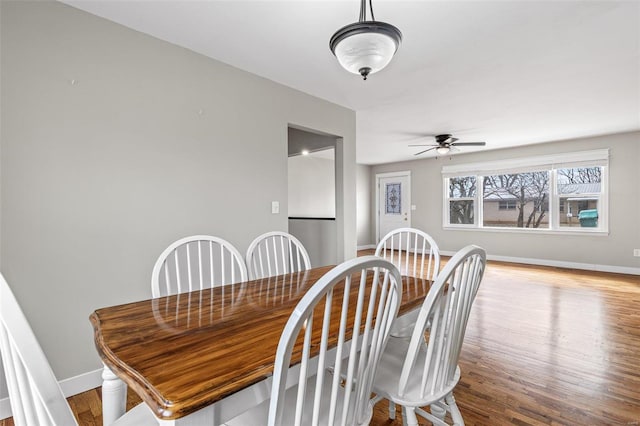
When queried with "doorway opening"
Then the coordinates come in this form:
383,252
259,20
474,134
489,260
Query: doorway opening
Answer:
313,185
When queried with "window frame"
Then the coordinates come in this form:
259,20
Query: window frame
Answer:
549,163
448,199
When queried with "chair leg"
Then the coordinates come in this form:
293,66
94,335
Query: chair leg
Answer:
455,412
392,410
438,411
409,416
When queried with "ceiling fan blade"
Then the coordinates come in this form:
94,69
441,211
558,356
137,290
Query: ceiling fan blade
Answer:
418,135
424,144
468,144
452,140
422,152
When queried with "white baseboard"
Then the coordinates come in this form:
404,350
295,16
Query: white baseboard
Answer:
5,408
560,264
81,383
71,386
547,262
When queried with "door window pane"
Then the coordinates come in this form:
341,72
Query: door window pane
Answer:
393,194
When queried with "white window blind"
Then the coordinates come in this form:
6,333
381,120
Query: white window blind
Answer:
598,157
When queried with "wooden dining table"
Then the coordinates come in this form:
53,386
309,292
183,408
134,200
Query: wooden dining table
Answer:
206,356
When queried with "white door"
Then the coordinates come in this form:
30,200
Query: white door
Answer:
394,203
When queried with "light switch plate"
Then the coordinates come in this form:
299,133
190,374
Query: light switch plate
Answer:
275,207
413,206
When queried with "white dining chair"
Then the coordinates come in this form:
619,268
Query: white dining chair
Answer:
34,393
195,263
416,254
276,253
413,375
311,393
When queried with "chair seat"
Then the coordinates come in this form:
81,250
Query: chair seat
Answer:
404,324
257,416
140,415
390,368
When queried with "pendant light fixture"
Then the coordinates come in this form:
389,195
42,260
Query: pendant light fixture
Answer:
365,47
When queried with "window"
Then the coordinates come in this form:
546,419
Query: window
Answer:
507,205
562,193
525,192
393,200
462,193
579,191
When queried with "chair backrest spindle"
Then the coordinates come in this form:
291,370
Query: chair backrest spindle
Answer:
363,296
276,253
413,251
416,254
444,313
181,266
34,393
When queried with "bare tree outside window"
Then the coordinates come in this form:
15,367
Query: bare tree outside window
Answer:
530,191
580,175
462,192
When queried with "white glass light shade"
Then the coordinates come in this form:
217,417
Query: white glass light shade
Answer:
365,50
365,47
443,149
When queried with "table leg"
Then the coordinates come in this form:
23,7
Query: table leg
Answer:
114,397
206,416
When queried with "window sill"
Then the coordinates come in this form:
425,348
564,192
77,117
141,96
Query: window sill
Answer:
579,231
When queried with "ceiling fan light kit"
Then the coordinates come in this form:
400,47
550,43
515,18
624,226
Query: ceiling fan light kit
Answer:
365,47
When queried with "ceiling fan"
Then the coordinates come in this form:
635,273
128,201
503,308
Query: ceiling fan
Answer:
446,143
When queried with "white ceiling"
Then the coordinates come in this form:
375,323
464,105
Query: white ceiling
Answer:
505,72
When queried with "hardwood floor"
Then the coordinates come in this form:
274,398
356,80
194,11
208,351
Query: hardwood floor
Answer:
544,346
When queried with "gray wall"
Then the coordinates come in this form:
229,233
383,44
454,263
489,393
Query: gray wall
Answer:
152,143
318,237
364,206
616,249
312,186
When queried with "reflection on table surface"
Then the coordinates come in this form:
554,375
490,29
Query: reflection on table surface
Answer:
183,352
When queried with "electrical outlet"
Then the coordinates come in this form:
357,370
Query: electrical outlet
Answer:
636,252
